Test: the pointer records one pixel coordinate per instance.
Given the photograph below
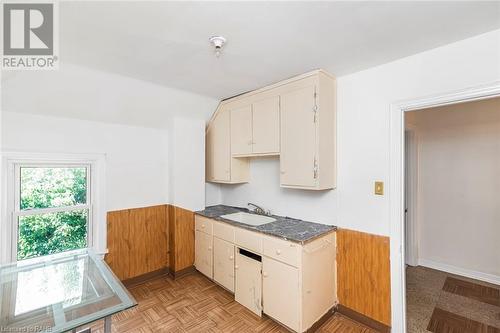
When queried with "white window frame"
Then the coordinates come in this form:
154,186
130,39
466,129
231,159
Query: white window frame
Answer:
11,164
17,212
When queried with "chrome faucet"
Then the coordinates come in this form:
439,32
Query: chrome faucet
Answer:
259,210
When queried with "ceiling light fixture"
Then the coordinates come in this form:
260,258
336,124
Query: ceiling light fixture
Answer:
218,43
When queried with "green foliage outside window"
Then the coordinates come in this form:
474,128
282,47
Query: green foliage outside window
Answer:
48,233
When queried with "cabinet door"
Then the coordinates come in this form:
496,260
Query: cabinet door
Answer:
221,146
209,166
248,283
298,138
203,253
266,126
278,280
224,263
241,131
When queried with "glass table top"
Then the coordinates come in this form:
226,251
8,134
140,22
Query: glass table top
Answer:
57,293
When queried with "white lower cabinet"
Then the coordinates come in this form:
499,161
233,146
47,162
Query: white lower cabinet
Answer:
292,283
279,280
224,263
248,288
203,249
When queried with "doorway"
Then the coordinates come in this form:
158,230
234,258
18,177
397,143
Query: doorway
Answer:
396,187
451,209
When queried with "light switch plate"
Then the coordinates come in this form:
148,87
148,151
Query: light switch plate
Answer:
379,188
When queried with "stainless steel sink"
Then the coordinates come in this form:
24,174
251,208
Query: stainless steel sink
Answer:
250,219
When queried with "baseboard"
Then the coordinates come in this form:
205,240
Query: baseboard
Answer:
324,318
490,278
361,318
182,272
145,277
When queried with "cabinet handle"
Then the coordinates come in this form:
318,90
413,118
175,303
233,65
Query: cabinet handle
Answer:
209,248
278,252
265,274
203,226
231,257
236,267
282,172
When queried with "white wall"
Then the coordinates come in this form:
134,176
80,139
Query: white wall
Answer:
74,95
364,101
136,157
264,189
459,185
80,92
187,163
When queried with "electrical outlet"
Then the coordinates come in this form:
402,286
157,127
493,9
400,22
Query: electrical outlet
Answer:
379,188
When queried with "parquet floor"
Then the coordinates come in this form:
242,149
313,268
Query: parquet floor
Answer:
193,303
440,302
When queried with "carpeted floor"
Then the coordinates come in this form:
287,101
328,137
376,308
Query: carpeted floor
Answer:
444,303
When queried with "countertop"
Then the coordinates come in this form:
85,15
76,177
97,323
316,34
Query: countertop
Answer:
287,228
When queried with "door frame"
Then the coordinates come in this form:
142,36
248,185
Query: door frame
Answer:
411,194
397,186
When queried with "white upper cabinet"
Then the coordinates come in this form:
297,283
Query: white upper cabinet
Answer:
255,128
241,131
298,138
266,126
308,133
294,119
221,167
221,147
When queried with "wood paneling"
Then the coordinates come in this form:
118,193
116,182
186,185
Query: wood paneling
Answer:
137,241
118,243
181,235
363,274
150,239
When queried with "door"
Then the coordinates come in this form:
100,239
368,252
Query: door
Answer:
221,146
203,253
241,131
248,283
224,263
266,126
278,280
297,157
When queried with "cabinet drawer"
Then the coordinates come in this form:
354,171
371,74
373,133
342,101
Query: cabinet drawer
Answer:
248,239
281,250
223,231
203,224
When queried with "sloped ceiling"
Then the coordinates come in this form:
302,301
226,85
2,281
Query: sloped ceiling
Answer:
166,44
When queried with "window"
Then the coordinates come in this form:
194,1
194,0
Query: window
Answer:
52,208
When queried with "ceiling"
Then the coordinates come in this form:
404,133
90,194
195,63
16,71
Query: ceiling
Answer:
167,42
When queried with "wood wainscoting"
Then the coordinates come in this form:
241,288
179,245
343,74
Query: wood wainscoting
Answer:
181,236
144,241
363,274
